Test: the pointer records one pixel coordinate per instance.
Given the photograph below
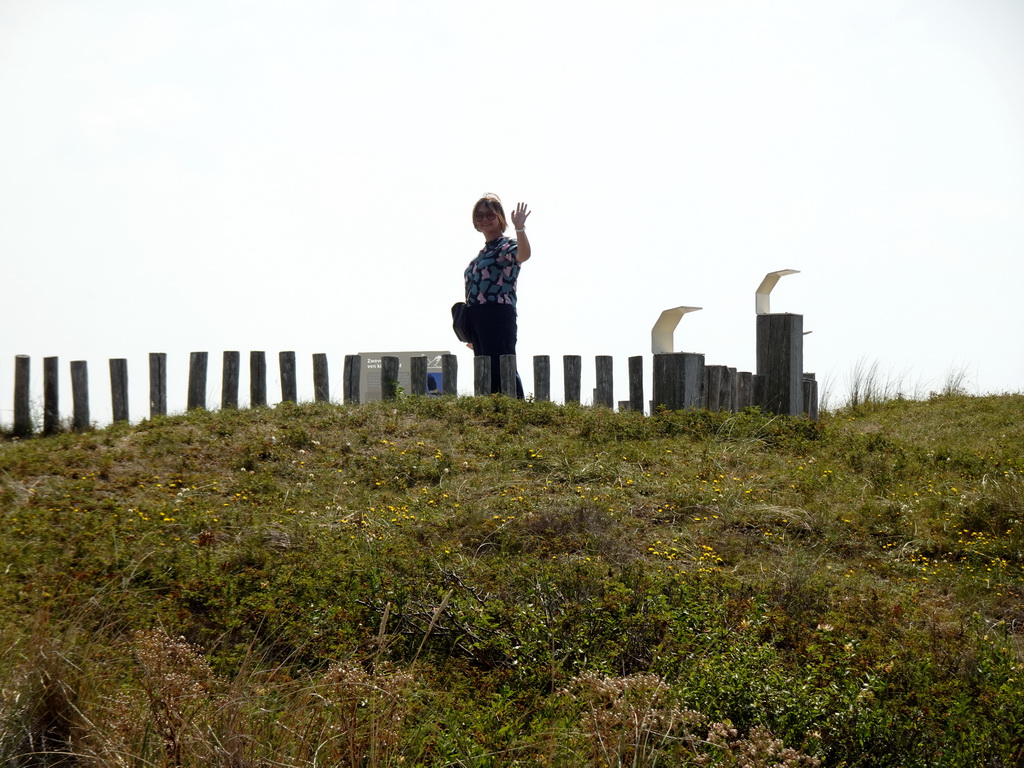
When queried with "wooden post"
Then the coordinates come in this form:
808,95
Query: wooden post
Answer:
389,367
757,390
542,378
711,376
51,396
811,396
257,379
507,368
719,388
157,384
450,374
321,379
604,392
197,365
678,380
481,375
289,385
353,363
418,375
780,359
119,388
80,395
572,369
22,406
230,375
744,390
636,383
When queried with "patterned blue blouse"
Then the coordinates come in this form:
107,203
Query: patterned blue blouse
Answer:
493,274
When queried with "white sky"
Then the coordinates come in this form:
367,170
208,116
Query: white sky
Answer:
202,175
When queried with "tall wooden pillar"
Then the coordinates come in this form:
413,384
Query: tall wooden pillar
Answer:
780,360
678,380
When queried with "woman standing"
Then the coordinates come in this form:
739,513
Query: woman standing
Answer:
491,284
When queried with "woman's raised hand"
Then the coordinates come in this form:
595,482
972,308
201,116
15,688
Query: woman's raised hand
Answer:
519,216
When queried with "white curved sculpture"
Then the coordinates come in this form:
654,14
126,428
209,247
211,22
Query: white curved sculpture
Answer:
663,330
762,302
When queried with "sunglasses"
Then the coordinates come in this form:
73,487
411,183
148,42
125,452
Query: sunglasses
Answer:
485,216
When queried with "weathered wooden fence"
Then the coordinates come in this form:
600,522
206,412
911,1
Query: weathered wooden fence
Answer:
680,381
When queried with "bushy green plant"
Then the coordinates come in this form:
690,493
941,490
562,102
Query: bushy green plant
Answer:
419,582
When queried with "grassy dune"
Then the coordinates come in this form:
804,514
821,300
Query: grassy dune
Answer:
485,582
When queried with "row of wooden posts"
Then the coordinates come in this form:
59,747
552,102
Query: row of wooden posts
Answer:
680,381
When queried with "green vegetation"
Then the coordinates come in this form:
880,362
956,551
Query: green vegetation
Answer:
486,582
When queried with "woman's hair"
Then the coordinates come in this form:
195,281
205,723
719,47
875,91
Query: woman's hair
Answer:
491,202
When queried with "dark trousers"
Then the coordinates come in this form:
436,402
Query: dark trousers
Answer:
494,330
